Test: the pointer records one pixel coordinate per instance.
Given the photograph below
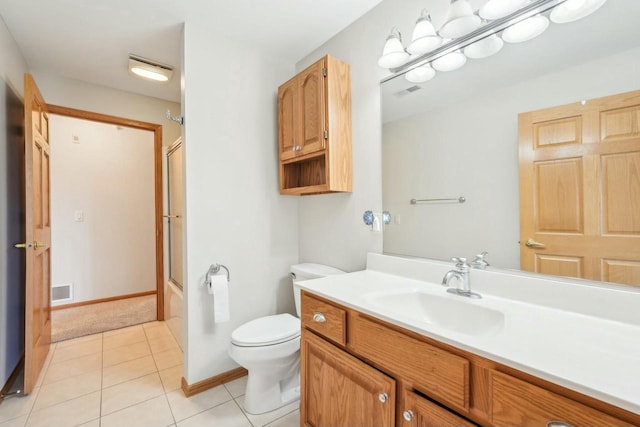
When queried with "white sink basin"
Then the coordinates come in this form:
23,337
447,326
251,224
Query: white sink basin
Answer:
452,313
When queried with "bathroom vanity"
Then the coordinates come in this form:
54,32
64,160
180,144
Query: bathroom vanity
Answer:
388,346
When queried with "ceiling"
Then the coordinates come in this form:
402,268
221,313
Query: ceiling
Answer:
90,40
613,28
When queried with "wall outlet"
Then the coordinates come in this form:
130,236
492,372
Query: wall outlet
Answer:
75,139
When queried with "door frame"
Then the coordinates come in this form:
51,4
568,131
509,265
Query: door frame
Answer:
157,167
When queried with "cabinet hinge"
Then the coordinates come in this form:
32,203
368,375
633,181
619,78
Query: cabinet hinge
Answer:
324,72
326,134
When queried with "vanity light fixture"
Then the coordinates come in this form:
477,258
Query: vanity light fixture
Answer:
149,69
393,54
460,20
526,30
464,31
424,37
572,10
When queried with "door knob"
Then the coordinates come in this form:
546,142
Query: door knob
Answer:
533,244
408,415
34,245
383,397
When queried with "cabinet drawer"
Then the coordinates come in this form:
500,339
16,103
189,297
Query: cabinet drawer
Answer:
324,318
435,372
420,412
519,403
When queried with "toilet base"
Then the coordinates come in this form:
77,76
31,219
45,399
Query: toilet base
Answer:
265,393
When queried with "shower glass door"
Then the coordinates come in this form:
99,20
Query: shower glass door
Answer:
174,216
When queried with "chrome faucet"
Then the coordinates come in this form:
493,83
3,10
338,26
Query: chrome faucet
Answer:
462,274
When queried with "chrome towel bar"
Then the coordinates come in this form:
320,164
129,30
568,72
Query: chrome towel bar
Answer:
460,199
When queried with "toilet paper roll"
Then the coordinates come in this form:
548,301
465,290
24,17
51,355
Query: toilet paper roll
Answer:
219,288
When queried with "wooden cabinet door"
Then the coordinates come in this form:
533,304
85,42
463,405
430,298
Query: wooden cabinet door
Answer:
420,412
340,390
311,92
580,189
287,115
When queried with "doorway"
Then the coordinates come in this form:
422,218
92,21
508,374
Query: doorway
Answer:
107,270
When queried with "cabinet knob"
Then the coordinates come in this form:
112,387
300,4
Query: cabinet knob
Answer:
556,423
319,317
383,397
408,415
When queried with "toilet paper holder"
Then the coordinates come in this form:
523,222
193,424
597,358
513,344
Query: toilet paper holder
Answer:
215,269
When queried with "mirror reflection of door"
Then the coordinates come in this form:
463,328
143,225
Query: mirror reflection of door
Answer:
174,215
580,189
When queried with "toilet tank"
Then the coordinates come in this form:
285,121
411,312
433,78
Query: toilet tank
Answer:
308,271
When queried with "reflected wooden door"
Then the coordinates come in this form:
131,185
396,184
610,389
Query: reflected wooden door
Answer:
580,189
38,234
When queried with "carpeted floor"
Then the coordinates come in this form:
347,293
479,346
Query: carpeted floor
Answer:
94,318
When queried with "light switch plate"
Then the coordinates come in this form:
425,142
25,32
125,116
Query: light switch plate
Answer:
78,216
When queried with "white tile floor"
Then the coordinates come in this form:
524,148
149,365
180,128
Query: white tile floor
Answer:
129,377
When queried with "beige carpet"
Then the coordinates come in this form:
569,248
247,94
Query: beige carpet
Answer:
94,318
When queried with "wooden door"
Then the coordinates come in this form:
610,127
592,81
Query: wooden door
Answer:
38,234
311,92
580,189
287,115
420,412
340,390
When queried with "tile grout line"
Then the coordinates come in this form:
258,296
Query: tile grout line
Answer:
281,417
166,398
243,412
101,381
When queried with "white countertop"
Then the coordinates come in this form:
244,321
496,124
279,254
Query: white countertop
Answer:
593,355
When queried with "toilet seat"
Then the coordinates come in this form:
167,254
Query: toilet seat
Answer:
269,330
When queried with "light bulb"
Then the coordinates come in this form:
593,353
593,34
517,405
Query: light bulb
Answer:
574,4
420,74
393,54
526,30
572,10
450,62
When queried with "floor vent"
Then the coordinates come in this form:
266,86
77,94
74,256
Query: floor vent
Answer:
61,293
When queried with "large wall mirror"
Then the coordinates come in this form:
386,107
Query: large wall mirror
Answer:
457,134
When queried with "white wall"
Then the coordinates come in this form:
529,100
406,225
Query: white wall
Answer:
12,64
471,149
101,99
108,175
234,212
331,228
12,68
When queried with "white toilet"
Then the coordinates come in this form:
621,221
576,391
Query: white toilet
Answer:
269,348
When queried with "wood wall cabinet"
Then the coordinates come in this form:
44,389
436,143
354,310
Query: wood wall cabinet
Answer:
357,370
314,130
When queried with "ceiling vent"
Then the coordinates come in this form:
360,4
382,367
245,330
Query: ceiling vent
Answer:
407,91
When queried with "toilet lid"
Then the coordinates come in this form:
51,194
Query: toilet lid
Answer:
267,330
